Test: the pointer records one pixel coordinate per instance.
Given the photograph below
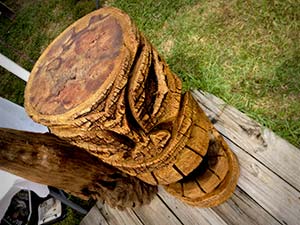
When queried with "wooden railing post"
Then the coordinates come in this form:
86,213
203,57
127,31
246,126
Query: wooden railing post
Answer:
46,159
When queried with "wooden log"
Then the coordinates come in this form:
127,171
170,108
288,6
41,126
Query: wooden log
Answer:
46,159
102,86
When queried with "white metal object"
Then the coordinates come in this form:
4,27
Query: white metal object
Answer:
11,66
49,211
14,116
11,184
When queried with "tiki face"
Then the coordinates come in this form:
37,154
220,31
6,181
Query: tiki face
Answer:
101,86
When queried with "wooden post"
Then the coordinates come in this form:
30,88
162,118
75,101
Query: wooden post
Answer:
46,159
102,86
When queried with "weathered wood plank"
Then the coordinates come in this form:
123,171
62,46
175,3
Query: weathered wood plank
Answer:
156,213
117,217
265,146
188,214
239,209
268,163
275,195
242,209
94,217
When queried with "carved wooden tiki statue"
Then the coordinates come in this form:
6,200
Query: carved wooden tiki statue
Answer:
102,86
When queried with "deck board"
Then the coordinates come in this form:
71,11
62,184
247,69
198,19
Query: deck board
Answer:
190,215
242,209
268,187
261,143
94,217
275,195
157,213
117,217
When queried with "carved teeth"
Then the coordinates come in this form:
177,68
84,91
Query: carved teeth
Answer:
213,181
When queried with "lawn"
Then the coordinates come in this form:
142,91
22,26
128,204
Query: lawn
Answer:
245,52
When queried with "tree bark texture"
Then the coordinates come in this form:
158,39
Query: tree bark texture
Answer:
103,87
46,159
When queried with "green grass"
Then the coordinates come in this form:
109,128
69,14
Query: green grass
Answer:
245,52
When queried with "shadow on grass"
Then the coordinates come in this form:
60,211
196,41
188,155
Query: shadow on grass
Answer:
288,74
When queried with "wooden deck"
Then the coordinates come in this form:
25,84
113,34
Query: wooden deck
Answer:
268,190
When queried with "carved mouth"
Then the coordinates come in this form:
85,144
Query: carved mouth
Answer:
213,181
205,171
184,152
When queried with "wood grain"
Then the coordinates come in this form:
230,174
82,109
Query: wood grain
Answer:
188,214
117,217
157,213
101,86
242,209
262,196
94,217
268,189
266,180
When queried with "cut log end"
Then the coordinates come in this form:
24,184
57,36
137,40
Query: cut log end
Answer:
80,62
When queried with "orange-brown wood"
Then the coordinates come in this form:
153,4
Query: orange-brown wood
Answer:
215,186
103,87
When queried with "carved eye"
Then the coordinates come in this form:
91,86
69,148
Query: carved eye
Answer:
154,94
